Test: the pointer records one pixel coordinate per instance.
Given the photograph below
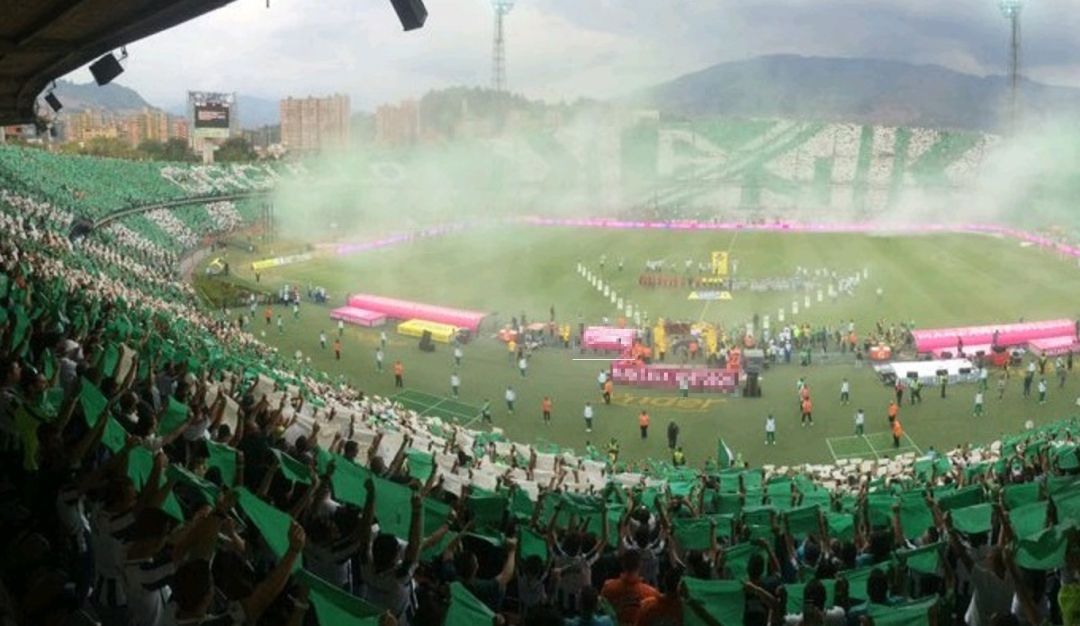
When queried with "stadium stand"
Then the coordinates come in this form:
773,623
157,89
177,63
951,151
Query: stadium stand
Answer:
163,467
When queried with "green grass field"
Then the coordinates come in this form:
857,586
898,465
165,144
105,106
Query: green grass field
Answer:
933,280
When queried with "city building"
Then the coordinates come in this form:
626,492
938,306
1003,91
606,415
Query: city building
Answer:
397,124
311,125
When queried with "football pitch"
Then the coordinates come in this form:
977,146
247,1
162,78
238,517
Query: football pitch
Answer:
933,281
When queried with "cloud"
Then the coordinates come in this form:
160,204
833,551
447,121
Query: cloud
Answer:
563,49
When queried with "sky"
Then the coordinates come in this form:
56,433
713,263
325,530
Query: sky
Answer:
566,49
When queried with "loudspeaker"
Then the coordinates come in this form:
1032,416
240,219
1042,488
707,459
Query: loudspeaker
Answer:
942,372
912,375
105,69
53,102
412,13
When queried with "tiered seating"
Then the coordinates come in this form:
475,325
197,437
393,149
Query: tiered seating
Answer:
214,467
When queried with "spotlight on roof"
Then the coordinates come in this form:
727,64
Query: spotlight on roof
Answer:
108,67
412,13
51,99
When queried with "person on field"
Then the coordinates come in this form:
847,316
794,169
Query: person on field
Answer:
916,392
601,379
1029,377
322,340
678,457
588,415
545,408
378,359
897,433
399,374
340,328
523,365
510,396
1042,390
770,430
672,435
807,412
643,424
337,348
845,392
899,391
485,411
458,353
455,384
860,421
978,403
943,380
609,388
1001,387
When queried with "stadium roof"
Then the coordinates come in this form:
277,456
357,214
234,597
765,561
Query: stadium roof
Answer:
41,40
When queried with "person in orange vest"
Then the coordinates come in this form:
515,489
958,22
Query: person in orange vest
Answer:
894,411
643,424
399,374
807,411
337,349
609,387
897,433
693,348
268,314
545,406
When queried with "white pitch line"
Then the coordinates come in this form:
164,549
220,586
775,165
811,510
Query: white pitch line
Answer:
608,360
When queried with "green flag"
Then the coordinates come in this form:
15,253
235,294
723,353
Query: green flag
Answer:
857,580
804,521
335,607
291,469
348,480
92,401
924,560
140,465
1044,550
532,543
973,519
724,456
487,510
720,600
915,613
967,496
1028,519
1021,494
207,490
737,558
693,533
841,525
466,609
421,464
271,523
915,515
176,413
223,458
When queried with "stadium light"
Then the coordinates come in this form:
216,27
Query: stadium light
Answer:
51,99
412,13
1011,8
108,67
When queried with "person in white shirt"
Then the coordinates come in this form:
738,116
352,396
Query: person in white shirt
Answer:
1042,391
523,365
455,383
588,414
340,328
510,396
845,392
978,403
770,430
601,378
322,340
860,421
457,355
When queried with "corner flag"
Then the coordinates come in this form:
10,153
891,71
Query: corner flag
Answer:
724,456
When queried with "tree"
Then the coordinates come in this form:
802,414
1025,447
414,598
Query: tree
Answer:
235,149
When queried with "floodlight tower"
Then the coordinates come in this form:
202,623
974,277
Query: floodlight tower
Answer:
1011,10
498,48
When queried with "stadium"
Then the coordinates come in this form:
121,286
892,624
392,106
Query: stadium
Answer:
513,362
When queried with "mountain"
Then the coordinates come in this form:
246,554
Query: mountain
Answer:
82,96
854,90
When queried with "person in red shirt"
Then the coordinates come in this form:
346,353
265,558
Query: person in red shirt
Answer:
627,592
667,609
545,406
807,412
643,424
